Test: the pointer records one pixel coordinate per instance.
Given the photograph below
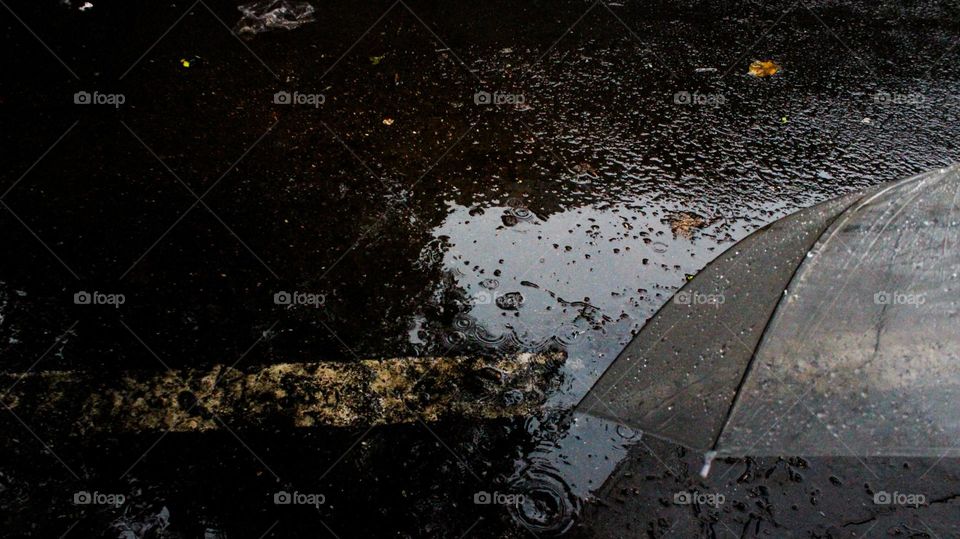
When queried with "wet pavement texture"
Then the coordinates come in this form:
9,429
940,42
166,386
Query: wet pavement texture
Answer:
479,179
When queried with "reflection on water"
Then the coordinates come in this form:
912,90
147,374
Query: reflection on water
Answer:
580,279
575,454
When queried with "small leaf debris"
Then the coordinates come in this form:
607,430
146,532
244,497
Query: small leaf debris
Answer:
684,224
763,68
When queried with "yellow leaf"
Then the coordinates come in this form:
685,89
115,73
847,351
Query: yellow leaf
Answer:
763,68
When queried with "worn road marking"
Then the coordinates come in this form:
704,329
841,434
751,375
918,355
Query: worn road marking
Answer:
369,392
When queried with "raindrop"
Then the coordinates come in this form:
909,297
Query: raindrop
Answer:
548,505
490,284
568,334
511,301
453,339
527,340
486,337
522,214
463,322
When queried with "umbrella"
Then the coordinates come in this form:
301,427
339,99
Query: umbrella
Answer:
833,331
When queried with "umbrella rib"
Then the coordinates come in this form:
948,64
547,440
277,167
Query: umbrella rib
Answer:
617,418
834,235
859,261
753,356
750,366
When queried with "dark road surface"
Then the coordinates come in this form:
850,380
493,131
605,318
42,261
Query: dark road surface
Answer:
431,222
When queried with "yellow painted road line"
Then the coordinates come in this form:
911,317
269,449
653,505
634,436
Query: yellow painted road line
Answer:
368,392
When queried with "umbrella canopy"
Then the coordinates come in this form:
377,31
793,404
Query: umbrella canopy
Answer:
834,331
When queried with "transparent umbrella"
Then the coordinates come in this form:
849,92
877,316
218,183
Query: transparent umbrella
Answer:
834,331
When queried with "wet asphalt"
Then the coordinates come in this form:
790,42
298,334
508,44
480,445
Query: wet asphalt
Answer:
430,222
